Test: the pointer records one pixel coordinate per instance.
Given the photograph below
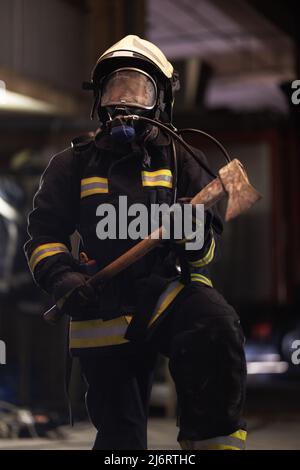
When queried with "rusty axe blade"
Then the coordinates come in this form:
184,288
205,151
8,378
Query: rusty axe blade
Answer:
232,182
241,194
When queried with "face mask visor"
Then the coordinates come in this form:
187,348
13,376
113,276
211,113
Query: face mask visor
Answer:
129,87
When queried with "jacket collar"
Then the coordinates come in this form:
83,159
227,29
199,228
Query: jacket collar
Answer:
104,141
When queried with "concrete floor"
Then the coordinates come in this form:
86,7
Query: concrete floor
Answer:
275,434
273,416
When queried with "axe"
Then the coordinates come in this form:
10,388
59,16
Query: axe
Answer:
232,183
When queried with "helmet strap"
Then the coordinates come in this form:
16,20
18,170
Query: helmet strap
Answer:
96,102
161,105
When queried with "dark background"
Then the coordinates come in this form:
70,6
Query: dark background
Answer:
237,60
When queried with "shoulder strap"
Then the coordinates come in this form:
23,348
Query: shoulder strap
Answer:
80,146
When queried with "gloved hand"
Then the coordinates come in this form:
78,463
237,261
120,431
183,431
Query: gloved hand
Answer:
73,296
184,224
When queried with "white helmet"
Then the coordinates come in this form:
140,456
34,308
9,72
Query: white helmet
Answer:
133,46
141,55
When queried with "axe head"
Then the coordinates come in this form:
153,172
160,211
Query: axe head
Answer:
241,194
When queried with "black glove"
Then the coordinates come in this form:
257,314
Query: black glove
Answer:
178,220
73,296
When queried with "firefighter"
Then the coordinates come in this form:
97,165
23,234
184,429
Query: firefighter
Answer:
165,302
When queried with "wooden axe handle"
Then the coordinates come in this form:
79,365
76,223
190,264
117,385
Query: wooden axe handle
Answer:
208,196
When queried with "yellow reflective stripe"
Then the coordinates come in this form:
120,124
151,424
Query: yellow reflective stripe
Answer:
128,318
166,184
97,342
221,447
46,246
97,333
88,324
43,256
240,434
94,179
89,192
161,177
207,258
45,250
235,441
164,172
93,185
165,300
200,278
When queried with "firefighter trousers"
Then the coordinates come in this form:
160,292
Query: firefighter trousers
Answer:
201,336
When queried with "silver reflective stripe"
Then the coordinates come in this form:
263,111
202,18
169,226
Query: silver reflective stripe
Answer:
157,178
44,251
87,186
93,185
57,249
162,177
97,333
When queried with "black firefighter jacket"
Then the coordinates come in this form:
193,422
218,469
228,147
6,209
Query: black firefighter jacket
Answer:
75,183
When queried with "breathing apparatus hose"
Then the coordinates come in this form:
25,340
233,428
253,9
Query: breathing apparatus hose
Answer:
176,136
205,134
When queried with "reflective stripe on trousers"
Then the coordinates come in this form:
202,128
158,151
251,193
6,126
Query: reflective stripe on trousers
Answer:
99,333
235,441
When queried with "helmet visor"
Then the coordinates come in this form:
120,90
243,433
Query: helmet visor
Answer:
129,87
